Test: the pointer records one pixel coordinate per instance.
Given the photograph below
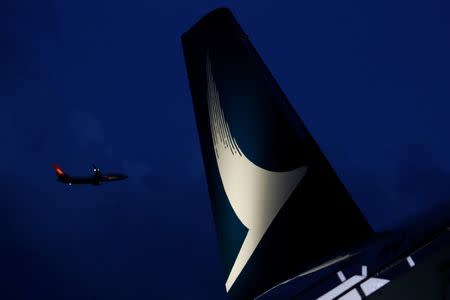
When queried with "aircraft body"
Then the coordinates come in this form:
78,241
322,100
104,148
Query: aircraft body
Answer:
96,179
287,227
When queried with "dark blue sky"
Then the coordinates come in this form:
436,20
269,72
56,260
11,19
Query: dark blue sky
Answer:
104,82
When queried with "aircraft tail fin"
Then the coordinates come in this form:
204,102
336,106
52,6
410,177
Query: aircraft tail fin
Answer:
279,207
59,171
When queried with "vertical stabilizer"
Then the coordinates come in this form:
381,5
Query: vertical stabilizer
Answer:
279,207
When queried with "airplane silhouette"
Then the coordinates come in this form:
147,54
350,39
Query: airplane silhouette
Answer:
96,179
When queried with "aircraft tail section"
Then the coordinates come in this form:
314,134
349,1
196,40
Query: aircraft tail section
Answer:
59,171
279,208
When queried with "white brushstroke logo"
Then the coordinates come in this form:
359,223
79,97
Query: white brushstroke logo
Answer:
255,194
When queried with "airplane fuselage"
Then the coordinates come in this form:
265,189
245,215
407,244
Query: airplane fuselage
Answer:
94,180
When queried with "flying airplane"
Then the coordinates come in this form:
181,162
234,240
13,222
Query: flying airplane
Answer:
287,227
96,179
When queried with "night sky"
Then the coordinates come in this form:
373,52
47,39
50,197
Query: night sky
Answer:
105,82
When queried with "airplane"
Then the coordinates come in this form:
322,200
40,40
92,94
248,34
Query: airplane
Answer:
96,179
287,228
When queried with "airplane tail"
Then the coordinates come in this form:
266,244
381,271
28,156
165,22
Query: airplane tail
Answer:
59,172
279,208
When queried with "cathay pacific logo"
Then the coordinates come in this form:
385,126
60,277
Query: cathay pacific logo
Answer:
255,194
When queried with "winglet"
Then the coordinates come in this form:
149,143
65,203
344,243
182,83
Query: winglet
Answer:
58,170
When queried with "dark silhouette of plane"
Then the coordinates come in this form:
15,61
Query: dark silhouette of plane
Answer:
96,179
287,227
